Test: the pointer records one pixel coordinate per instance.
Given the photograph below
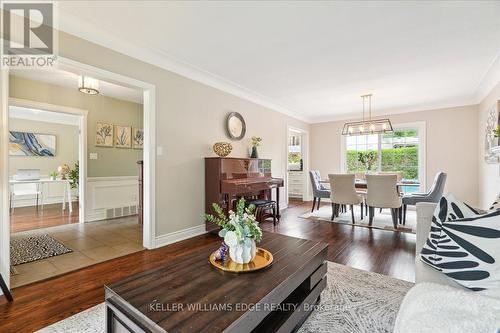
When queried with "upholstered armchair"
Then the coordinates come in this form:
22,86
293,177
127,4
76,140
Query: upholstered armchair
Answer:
433,195
319,191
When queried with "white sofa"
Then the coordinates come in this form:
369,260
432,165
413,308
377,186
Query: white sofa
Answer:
437,303
423,272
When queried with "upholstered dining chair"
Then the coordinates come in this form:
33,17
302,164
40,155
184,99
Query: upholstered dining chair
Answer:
433,195
344,193
319,190
383,193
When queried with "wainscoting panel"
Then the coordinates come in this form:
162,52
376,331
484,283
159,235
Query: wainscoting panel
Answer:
111,197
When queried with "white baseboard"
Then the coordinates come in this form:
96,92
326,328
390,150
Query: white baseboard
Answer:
28,202
177,236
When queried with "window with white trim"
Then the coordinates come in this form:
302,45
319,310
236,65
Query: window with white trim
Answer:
398,151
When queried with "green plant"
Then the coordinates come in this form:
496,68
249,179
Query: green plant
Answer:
53,174
256,141
294,158
368,158
74,175
403,159
496,131
240,224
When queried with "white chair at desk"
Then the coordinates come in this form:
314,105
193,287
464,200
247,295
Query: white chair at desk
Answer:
17,190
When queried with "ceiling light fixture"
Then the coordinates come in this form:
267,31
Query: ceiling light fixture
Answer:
88,85
370,126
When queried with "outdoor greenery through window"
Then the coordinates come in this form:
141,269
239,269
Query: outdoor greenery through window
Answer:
392,152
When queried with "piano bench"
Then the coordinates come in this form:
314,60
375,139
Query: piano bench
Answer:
261,206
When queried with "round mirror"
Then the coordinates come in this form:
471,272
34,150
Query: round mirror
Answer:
235,125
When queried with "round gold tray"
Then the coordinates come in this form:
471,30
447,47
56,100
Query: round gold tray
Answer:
263,258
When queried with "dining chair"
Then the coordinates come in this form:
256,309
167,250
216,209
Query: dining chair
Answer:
344,193
399,175
319,190
433,195
19,190
382,192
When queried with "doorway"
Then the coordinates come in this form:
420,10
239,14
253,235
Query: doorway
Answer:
297,166
146,236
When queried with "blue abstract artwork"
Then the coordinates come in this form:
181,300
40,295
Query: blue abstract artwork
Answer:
31,144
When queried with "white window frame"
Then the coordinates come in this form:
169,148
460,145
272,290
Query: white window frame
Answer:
421,127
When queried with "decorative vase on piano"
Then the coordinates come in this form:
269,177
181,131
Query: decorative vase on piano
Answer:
255,143
240,231
254,153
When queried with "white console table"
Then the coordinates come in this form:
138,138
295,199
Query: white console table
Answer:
43,181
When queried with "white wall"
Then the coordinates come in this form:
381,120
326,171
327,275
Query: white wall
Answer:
189,119
66,146
489,174
451,146
66,153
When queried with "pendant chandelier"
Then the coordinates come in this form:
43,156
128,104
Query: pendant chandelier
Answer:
88,85
369,126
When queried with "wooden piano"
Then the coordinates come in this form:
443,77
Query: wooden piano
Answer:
228,178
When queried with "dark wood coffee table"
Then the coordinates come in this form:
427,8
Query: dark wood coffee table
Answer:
189,295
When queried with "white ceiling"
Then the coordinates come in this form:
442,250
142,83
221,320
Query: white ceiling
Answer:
309,59
67,79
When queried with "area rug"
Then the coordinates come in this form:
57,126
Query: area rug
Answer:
353,301
382,220
28,249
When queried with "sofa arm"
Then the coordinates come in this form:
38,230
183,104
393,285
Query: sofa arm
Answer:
425,210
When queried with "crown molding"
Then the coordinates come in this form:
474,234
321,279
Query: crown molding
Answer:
353,116
82,29
489,80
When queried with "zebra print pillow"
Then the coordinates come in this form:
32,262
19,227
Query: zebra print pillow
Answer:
464,245
496,204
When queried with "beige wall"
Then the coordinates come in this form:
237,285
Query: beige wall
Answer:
451,146
489,174
189,120
111,161
66,146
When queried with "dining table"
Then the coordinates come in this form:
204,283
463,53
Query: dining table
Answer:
361,183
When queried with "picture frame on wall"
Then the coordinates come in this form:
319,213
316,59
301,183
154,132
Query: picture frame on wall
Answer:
31,144
104,134
123,136
137,138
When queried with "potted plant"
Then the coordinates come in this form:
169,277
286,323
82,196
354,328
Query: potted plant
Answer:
74,176
255,143
53,175
240,231
496,132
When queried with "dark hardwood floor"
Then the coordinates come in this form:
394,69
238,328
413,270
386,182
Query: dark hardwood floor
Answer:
28,218
45,302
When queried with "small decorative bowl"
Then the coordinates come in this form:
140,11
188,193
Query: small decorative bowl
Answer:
222,149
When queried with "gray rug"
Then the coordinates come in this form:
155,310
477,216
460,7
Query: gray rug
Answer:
382,220
28,249
353,301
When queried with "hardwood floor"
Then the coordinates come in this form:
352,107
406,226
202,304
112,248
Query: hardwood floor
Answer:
28,218
43,303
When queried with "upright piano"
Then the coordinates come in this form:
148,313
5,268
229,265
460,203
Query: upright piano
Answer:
228,178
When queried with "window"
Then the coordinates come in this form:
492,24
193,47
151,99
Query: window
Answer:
295,152
398,151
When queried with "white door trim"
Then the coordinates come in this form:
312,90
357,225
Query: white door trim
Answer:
149,152
82,141
4,177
